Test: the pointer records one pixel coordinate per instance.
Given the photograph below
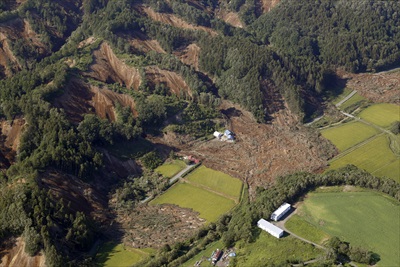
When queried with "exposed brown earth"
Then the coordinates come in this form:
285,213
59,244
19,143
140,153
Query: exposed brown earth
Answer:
261,152
267,5
231,18
377,87
9,141
173,20
144,44
14,255
189,55
154,226
10,32
108,68
80,98
172,80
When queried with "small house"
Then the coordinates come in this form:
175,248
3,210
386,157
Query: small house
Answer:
270,228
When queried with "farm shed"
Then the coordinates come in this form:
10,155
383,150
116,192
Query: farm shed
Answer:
280,212
270,228
218,134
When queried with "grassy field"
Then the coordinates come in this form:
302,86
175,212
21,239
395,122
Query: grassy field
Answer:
381,114
306,230
356,98
169,169
371,157
268,249
208,204
216,180
112,254
349,134
366,219
204,254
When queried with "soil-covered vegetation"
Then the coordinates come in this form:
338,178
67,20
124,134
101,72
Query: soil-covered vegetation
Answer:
88,87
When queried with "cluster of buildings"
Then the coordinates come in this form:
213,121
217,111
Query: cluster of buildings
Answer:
226,136
275,216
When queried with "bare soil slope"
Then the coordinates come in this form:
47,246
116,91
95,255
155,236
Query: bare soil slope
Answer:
14,255
144,44
80,99
172,80
107,67
173,20
10,32
231,18
189,55
11,132
267,5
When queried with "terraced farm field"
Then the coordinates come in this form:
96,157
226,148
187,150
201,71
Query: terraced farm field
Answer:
169,169
209,204
216,180
381,114
375,216
372,156
349,134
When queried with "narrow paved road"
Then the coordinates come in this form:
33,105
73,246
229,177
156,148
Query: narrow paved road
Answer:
346,98
179,174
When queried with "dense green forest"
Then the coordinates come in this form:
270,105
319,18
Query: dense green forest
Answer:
295,48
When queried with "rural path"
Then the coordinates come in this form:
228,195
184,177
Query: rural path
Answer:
281,224
346,98
179,174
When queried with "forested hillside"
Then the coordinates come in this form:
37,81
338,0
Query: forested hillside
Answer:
80,79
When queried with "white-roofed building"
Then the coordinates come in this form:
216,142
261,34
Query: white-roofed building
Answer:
280,212
270,228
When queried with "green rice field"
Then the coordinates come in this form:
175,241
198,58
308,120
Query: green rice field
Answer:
372,156
112,254
367,219
169,169
349,134
216,180
381,114
208,204
268,249
340,97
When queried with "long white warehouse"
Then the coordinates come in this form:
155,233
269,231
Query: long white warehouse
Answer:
270,228
280,212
